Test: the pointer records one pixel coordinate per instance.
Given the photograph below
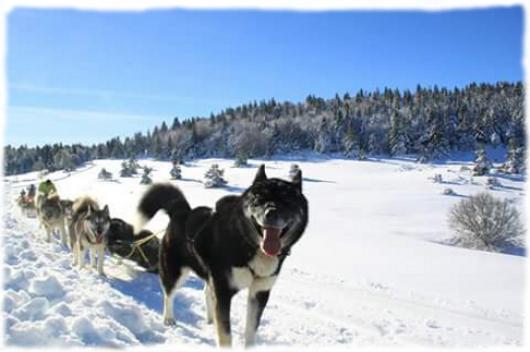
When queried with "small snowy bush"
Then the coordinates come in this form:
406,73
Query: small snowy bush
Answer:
214,177
492,182
437,178
104,174
146,179
293,171
176,173
241,160
448,192
486,223
482,164
125,170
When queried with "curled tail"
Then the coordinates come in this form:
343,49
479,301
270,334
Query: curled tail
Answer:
166,197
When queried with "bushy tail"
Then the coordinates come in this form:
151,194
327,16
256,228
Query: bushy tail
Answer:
166,197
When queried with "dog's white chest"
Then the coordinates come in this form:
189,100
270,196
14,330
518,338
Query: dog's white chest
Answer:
261,266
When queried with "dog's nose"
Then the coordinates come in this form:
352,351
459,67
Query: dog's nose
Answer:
271,216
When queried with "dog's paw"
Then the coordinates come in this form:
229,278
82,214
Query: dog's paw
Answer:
170,322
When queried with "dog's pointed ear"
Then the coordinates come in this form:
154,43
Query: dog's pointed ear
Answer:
260,175
88,210
297,180
106,210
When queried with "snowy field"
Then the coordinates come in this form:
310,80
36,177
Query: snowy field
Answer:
370,270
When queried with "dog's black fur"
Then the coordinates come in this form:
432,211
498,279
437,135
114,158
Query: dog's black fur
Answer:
226,246
121,238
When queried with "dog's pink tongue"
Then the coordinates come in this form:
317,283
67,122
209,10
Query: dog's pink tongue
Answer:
271,241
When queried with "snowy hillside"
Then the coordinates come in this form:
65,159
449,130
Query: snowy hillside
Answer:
370,269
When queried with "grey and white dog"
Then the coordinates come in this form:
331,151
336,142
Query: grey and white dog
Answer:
89,231
51,216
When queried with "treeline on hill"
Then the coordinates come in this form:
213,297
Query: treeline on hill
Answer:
428,123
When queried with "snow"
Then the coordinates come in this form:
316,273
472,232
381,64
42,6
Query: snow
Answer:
371,269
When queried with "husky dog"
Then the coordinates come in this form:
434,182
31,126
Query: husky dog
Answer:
242,244
27,206
121,241
68,209
88,231
50,214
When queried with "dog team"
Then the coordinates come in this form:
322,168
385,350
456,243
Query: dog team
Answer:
240,243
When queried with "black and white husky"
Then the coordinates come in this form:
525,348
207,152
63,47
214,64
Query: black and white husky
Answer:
241,244
88,231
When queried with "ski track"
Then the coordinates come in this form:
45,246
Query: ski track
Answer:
48,302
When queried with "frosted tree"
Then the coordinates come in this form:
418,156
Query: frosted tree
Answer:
486,223
146,178
241,159
482,163
324,140
175,172
214,177
125,170
398,138
515,163
293,171
495,139
133,166
104,175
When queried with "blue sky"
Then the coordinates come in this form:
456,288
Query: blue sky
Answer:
86,76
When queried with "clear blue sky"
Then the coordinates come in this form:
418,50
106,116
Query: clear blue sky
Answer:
83,76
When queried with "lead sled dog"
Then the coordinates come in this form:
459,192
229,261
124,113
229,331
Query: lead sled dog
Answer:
242,243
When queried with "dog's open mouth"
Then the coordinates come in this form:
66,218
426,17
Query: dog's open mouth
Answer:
271,245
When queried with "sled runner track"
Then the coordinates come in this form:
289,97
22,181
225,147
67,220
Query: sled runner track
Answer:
382,298
413,315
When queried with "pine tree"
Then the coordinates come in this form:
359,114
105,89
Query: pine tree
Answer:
214,177
482,163
146,179
241,159
175,172
104,175
293,171
125,170
515,159
398,139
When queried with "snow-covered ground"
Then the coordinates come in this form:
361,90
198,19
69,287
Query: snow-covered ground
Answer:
371,268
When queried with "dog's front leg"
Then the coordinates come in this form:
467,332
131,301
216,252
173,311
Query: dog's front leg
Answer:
75,251
258,296
223,300
72,236
92,254
82,255
48,233
101,257
209,302
63,234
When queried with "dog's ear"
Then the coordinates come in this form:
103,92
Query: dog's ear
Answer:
260,175
88,210
297,180
106,211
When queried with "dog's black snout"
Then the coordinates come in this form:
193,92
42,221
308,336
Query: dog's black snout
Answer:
271,216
